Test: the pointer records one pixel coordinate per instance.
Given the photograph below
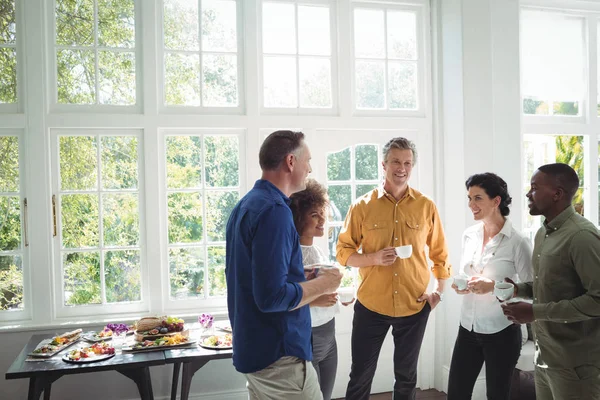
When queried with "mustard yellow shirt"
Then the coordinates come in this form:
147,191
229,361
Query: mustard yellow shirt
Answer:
377,220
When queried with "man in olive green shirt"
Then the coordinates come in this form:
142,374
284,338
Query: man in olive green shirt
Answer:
565,291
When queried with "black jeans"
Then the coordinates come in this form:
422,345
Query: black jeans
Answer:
500,351
368,333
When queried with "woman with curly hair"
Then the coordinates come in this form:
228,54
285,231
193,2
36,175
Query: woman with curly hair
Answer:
309,208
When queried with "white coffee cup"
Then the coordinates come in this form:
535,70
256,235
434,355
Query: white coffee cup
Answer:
404,251
504,290
346,294
461,281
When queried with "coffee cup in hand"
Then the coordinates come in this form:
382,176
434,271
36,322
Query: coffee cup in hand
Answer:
346,294
504,290
404,251
461,281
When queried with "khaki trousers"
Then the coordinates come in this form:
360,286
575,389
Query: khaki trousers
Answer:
288,378
579,383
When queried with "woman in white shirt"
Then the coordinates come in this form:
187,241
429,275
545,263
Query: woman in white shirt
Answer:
309,208
492,250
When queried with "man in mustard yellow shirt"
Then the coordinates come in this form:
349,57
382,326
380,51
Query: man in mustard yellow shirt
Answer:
393,289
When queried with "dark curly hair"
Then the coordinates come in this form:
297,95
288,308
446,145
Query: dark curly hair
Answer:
493,186
315,195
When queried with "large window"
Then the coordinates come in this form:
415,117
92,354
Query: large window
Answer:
95,52
201,62
8,52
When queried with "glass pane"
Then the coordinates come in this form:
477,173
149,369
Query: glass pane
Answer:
8,75
79,220
332,236
219,207
119,162
219,26
279,28
566,108
76,80
362,189
11,282
182,83
402,85
122,276
366,162
184,162
314,31
78,163
340,197
315,82
338,165
116,78
402,35
553,56
116,23
216,271
10,223
75,22
369,36
370,92
180,25
533,106
120,218
222,161
280,82
81,278
186,272
8,26
219,81
185,217
9,164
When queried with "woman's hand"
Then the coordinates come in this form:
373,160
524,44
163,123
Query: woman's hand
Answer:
326,300
457,290
480,285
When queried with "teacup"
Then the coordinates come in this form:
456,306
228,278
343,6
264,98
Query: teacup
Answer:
461,281
404,251
504,290
346,294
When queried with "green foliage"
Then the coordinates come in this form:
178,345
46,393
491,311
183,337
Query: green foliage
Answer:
366,167
338,165
82,278
185,217
123,278
11,283
370,86
78,163
184,162
222,161
569,150
8,55
10,223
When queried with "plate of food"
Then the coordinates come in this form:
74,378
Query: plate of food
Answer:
49,347
150,328
224,326
162,343
93,353
107,332
217,342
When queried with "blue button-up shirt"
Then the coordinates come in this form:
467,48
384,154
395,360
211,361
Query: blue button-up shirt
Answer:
263,269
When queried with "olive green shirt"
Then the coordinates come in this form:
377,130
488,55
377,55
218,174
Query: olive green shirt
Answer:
566,292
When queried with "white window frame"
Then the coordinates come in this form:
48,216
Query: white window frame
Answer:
240,55
333,57
26,311
588,123
55,106
65,311
423,28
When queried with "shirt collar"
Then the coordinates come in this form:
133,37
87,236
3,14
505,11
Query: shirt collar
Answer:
381,192
560,219
477,230
272,189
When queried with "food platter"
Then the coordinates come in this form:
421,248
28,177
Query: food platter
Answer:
162,343
93,337
134,349
141,336
217,342
49,347
95,358
224,328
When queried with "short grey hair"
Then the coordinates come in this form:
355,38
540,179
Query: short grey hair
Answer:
401,144
277,146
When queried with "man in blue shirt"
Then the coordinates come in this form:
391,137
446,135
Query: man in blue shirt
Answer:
267,294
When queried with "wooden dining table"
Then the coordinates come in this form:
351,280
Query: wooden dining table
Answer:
133,365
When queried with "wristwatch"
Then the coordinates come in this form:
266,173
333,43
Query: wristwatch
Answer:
440,294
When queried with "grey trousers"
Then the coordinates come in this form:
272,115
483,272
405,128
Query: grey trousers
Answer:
579,383
287,378
325,357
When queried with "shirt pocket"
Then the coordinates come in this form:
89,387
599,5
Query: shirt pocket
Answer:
414,233
376,235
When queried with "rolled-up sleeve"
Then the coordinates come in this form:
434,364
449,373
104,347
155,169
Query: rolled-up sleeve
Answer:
273,292
438,249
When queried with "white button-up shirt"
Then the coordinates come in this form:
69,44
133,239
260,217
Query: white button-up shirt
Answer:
318,315
507,255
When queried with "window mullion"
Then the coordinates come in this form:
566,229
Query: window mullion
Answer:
200,55
386,86
96,54
591,147
101,254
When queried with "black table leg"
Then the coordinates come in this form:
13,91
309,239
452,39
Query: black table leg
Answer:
39,384
176,369
189,369
141,376
47,391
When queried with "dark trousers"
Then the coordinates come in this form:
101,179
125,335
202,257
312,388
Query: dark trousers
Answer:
325,357
500,351
368,333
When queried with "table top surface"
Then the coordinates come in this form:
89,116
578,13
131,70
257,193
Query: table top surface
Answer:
122,360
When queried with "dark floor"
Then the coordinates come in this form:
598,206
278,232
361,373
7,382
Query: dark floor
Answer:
430,394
